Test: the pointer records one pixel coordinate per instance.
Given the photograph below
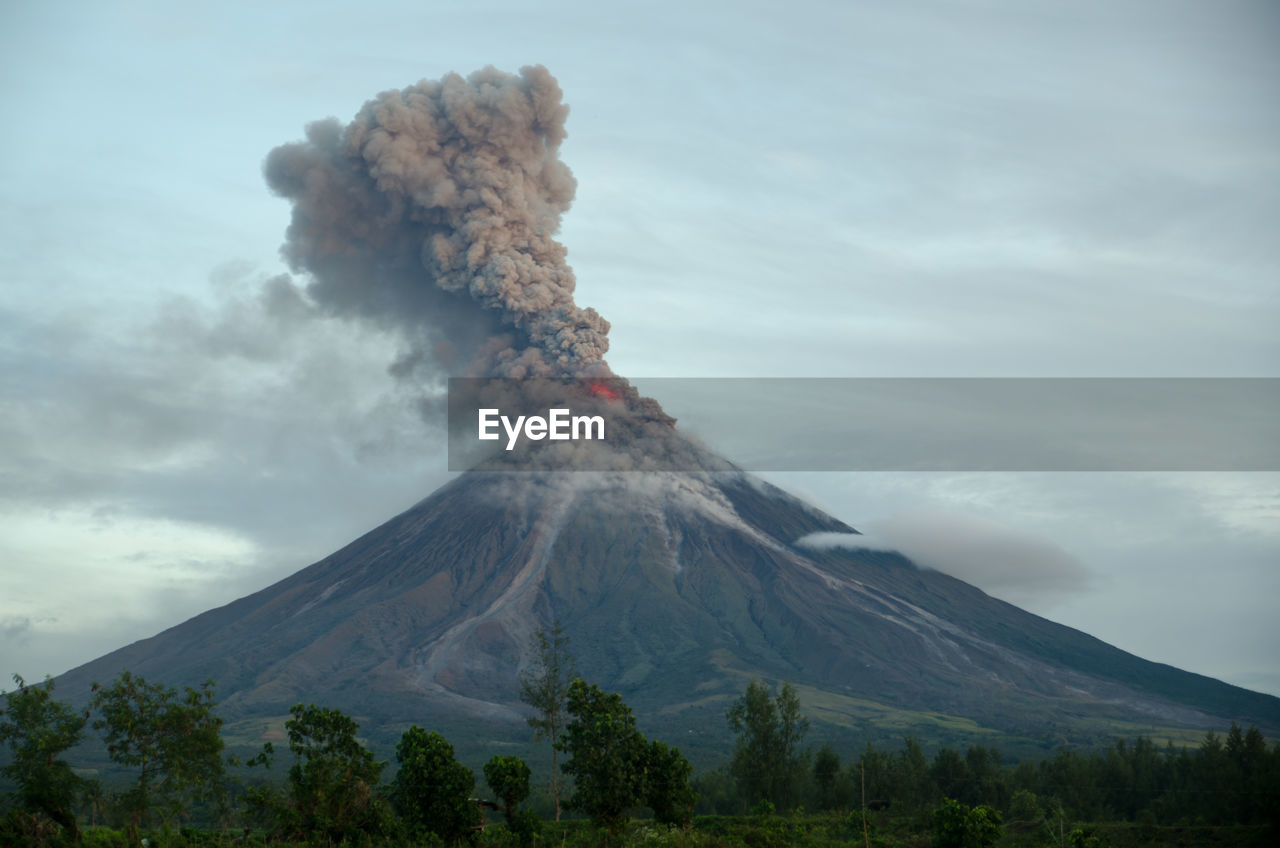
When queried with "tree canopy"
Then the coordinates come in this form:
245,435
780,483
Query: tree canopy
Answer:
606,755
333,781
38,730
174,743
508,777
767,762
432,790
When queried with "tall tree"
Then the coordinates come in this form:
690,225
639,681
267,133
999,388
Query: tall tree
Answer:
666,788
606,755
544,685
767,762
38,730
873,774
334,779
911,785
826,773
951,775
175,743
432,790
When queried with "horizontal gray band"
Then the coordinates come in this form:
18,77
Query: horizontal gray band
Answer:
864,424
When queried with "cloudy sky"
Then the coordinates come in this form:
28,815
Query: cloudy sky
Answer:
956,188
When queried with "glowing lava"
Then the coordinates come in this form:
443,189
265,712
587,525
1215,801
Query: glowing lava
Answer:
601,390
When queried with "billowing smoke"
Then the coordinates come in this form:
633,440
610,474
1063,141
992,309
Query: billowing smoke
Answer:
433,212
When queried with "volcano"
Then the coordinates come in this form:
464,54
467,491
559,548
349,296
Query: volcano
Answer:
431,216
675,590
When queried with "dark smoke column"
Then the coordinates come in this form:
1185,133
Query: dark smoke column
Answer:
432,213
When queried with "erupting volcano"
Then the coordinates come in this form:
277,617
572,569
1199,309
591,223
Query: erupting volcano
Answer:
432,214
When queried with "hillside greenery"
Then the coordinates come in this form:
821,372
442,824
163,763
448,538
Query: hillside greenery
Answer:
177,787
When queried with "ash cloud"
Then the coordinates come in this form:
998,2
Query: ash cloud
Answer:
433,213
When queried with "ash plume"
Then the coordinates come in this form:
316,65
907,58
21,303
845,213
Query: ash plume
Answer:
433,213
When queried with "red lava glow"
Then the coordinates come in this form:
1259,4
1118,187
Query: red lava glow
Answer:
600,390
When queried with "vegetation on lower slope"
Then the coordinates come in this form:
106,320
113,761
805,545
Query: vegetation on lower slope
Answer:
629,790
810,830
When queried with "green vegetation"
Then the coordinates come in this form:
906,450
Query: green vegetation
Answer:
767,762
508,777
175,745
332,788
606,755
667,790
432,790
38,730
545,687
1224,792
957,825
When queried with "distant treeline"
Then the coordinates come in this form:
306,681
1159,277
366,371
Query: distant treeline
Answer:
1231,780
174,770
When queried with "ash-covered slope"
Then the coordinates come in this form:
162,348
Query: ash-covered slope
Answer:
675,589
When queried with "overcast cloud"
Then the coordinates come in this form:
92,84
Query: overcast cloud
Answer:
969,189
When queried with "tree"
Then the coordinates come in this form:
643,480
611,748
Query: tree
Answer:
951,775
508,777
176,745
606,755
826,772
767,762
332,790
38,729
911,786
545,687
986,780
666,788
1024,807
432,790
873,775
957,825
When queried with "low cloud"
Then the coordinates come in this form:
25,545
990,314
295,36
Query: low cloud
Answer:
188,455
847,541
1002,561
248,384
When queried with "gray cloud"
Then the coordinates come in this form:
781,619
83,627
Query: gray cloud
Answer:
188,456
1009,563
245,408
16,629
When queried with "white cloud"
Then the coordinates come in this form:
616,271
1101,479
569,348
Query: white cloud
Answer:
1003,561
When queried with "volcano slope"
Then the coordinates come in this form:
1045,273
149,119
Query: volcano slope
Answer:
675,590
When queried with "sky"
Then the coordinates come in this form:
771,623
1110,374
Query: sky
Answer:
956,188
